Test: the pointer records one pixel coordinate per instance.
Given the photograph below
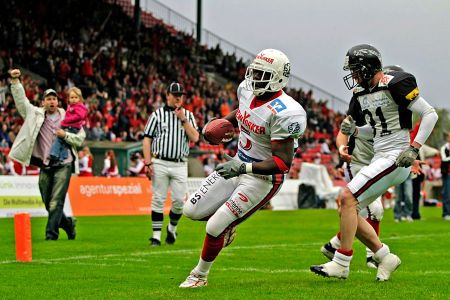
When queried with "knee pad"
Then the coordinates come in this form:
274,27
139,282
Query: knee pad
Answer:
376,210
218,223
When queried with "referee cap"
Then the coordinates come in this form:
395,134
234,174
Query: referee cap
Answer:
176,89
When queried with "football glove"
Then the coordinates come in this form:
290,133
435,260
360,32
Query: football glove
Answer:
231,168
348,126
407,157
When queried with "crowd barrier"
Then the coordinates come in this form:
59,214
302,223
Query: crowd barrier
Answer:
101,196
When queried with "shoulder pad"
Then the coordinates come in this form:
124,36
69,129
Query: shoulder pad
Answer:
358,89
399,76
385,80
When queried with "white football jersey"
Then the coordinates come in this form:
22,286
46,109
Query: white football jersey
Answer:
262,122
385,109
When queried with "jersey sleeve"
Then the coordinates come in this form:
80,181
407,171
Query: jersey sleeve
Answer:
354,110
240,90
191,119
150,128
287,126
403,88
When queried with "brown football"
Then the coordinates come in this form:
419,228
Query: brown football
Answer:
219,131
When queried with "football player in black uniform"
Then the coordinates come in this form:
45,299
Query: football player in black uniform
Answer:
386,101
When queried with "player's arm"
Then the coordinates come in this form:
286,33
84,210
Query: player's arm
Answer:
232,118
341,143
279,163
428,118
281,160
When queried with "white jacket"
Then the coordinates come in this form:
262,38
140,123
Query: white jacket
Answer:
34,117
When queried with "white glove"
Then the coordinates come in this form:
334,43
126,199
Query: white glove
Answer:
348,126
407,157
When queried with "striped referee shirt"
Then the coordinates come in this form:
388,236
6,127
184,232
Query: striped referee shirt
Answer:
169,139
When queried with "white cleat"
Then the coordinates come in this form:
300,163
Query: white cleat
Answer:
331,269
387,266
194,280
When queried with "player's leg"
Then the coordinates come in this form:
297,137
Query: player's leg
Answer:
160,186
373,214
251,194
368,184
350,170
178,191
212,193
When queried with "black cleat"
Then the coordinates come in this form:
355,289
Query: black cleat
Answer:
318,270
328,250
154,242
72,232
171,237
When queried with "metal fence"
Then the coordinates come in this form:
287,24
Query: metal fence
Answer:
211,40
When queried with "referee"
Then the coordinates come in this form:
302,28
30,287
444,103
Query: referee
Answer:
166,147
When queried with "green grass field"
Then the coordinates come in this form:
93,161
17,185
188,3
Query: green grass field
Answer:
270,258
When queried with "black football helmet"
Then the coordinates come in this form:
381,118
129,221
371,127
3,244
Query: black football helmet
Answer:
363,61
392,68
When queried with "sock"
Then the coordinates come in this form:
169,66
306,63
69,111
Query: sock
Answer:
343,259
157,222
381,253
375,224
174,218
212,247
203,267
369,252
335,242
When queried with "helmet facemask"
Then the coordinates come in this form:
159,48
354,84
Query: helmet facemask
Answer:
259,79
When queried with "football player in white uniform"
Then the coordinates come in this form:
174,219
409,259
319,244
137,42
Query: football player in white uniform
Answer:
357,153
270,123
387,103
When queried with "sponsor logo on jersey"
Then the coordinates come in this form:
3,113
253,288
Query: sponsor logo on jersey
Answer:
234,208
244,119
294,128
378,99
276,106
244,129
385,80
247,146
243,197
262,56
413,94
203,189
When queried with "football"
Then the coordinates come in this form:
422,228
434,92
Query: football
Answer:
218,131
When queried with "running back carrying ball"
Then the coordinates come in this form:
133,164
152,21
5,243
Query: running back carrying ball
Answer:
218,131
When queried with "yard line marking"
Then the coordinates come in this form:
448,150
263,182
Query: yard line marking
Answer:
196,250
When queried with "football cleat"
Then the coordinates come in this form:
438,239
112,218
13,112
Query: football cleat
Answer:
194,280
171,236
328,250
155,242
229,236
371,263
331,269
387,266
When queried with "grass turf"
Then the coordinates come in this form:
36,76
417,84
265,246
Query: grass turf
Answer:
269,259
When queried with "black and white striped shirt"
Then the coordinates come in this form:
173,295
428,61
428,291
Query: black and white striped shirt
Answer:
169,139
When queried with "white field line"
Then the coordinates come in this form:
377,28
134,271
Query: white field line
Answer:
197,250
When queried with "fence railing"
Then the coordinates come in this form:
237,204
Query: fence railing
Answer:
211,40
